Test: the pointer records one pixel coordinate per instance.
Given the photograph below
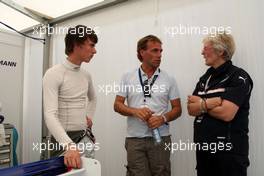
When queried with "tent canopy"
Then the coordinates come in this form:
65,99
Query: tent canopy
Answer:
14,12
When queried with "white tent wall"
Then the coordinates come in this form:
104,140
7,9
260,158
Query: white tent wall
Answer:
11,80
32,101
121,26
21,91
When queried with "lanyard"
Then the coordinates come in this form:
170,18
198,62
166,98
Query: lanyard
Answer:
145,86
206,84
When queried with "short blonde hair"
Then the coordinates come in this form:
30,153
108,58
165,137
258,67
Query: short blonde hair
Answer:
221,41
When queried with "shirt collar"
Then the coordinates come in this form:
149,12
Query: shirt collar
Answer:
222,68
145,75
71,65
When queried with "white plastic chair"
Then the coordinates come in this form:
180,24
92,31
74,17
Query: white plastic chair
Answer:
90,167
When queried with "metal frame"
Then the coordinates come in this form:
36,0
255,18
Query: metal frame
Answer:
24,11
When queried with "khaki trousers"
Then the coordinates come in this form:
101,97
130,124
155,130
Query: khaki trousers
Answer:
147,159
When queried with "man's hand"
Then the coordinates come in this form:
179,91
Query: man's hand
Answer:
155,122
89,122
194,109
213,102
143,113
194,105
193,99
72,157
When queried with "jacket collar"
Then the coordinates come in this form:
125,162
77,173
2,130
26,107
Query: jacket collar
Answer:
221,69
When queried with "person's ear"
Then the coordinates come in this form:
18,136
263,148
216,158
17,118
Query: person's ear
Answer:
221,53
77,46
142,52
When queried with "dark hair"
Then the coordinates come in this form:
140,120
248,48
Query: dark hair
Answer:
142,44
78,35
